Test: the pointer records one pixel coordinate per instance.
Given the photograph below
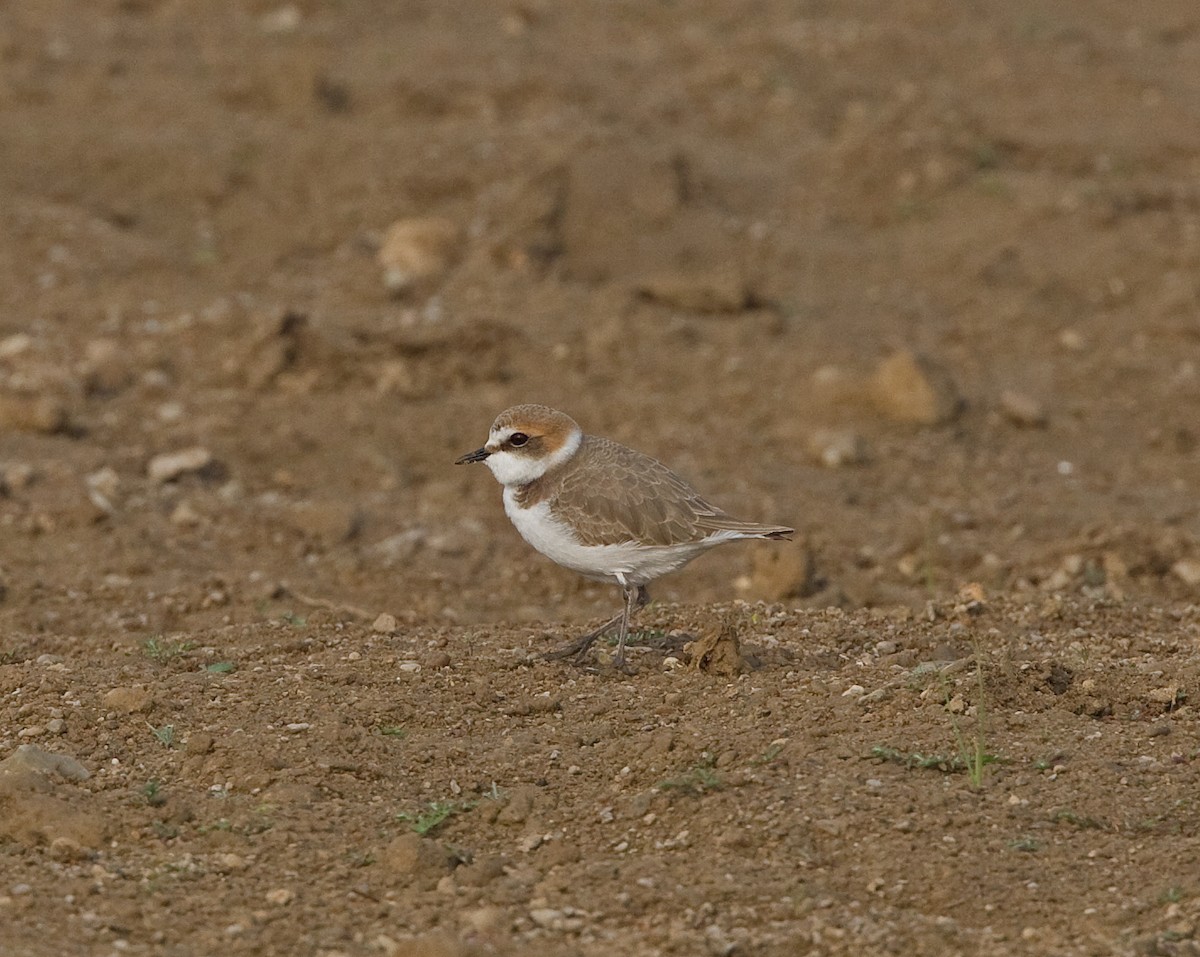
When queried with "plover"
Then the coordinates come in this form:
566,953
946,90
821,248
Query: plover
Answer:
601,509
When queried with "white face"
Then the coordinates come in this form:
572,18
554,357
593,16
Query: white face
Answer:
513,468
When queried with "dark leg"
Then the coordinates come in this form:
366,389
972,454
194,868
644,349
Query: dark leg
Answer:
636,597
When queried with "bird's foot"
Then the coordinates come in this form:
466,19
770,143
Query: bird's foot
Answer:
576,649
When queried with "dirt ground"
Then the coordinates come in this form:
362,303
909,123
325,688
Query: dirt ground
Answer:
920,279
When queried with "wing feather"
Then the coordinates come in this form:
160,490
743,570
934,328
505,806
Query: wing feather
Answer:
624,496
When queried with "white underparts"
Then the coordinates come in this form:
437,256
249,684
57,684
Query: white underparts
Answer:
627,562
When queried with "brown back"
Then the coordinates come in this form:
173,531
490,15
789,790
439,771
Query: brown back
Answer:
613,494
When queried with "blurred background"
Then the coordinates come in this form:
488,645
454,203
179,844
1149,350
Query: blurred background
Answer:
922,283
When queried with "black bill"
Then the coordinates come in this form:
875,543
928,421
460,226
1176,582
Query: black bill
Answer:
477,456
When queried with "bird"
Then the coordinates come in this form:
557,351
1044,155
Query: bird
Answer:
602,509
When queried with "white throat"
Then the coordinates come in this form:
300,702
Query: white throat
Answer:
512,469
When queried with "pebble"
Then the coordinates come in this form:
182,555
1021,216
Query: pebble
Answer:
105,482
285,19
14,345
41,414
1022,410
437,660
280,896
200,742
385,624
56,726
837,448
1167,695
67,849
550,918
413,856
410,666
171,465
106,370
910,388
784,571
185,515
33,731
1187,570
29,757
418,250
700,290
131,700
17,476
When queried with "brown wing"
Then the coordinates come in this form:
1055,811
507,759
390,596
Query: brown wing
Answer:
613,494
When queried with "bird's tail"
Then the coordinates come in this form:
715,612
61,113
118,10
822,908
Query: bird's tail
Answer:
742,529
777,533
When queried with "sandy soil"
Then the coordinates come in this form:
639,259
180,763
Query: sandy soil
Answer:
923,284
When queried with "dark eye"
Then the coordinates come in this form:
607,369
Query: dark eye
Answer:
517,439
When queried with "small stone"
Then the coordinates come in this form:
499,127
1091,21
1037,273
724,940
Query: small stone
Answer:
530,843
483,870
956,705
17,476
717,651
131,700
56,726
65,849
199,742
12,346
780,571
415,857
437,660
718,942
1168,695
106,370
280,896
484,920
1187,570
410,667
854,691
33,731
39,414
105,481
910,388
699,290
837,448
546,916
31,758
385,624
285,19
171,465
418,251
1072,340
1022,410
885,647
328,521
274,347
184,515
